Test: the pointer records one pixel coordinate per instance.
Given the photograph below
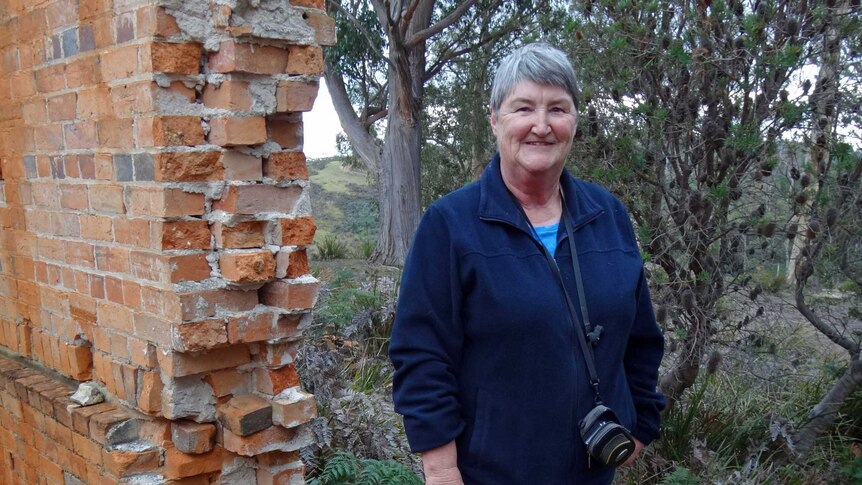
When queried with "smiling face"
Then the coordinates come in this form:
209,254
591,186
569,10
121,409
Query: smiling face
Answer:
534,127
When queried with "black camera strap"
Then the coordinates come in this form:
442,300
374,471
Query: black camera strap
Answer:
586,348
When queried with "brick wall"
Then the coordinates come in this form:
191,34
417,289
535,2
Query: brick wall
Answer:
154,219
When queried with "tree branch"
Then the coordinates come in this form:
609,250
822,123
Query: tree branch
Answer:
362,142
446,21
360,28
441,61
408,16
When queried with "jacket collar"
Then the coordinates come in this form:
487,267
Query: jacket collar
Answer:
497,204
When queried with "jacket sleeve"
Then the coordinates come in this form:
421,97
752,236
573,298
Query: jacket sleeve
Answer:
427,338
642,359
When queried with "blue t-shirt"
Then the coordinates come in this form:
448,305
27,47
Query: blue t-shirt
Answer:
548,236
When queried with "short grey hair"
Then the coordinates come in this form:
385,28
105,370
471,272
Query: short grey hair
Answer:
540,63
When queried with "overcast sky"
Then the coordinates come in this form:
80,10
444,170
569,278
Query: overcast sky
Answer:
320,126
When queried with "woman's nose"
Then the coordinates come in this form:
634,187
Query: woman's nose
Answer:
540,123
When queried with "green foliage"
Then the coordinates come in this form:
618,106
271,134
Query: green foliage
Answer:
366,249
679,424
370,376
769,280
850,286
853,470
340,306
681,476
331,247
346,469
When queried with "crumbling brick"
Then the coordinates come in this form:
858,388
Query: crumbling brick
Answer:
191,437
246,414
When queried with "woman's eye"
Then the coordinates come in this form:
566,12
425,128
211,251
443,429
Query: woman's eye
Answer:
523,109
557,109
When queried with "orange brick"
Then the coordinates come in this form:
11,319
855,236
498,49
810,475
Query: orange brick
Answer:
83,72
188,166
101,423
181,465
273,381
282,353
80,135
119,62
95,103
175,58
106,198
63,107
245,414
205,304
284,131
186,235
253,199
323,25
193,438
230,94
176,364
156,21
130,99
255,267
81,416
291,264
270,439
49,137
49,79
143,353
189,267
154,329
115,133
295,96
98,228
88,9
150,395
227,382
251,58
251,328
290,296
81,361
318,4
231,131
298,231
149,201
122,463
74,197
286,166
203,335
242,235
177,130
305,60
295,408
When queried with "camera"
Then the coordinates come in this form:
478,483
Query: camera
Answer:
607,441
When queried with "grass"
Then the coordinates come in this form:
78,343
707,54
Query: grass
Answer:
344,203
331,177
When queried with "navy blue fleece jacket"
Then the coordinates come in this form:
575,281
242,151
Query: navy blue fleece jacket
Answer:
483,350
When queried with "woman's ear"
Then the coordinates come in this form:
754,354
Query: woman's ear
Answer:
493,122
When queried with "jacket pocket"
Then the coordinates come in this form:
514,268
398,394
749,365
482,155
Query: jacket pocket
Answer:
480,428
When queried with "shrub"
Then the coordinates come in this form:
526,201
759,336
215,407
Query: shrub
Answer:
769,280
346,469
330,247
366,249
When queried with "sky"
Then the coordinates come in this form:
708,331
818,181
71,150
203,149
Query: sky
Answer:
320,125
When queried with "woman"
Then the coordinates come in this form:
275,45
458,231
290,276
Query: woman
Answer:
490,375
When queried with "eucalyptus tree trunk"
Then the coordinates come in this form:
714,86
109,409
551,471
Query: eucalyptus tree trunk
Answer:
407,26
398,180
823,99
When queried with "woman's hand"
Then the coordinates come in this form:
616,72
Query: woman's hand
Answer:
638,447
441,465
